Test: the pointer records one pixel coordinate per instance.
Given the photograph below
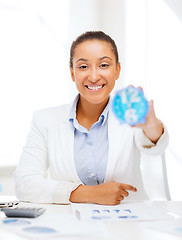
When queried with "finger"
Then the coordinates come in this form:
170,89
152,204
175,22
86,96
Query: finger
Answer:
121,198
140,88
130,85
128,187
117,202
124,193
151,107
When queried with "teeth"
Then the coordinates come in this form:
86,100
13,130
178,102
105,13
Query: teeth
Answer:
94,88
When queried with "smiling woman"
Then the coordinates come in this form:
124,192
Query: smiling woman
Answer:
94,68
94,72
90,156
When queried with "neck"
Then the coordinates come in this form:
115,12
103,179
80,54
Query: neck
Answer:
88,113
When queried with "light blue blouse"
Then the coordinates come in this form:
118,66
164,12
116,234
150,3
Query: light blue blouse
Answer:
90,147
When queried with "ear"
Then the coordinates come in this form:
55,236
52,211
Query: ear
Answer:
72,74
118,70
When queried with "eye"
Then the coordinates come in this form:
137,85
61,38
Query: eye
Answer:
83,66
104,65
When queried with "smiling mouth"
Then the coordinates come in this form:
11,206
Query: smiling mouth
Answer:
95,87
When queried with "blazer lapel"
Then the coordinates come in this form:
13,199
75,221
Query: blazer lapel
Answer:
114,138
67,143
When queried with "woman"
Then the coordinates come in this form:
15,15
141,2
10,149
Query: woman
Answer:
89,155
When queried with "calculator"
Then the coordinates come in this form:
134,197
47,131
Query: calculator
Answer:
24,212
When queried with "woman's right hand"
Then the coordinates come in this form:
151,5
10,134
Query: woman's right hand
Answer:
110,193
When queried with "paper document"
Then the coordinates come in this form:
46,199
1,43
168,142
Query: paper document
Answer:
52,225
172,227
138,211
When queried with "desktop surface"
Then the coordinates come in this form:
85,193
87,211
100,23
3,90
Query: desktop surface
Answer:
115,229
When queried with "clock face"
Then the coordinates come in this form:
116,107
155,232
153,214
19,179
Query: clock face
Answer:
130,106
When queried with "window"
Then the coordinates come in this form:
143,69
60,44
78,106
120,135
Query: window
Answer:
32,67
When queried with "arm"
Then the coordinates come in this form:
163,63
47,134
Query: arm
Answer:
110,193
31,176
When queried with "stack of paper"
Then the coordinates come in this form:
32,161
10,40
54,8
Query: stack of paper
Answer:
138,211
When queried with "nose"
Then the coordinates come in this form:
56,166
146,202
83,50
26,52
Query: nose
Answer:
94,75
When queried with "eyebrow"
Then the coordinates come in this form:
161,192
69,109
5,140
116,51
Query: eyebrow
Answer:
85,60
102,58
82,59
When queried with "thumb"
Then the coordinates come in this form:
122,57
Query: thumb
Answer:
151,108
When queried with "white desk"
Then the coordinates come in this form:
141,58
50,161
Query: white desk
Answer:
118,230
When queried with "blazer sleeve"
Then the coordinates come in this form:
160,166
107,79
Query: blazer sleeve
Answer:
31,176
146,146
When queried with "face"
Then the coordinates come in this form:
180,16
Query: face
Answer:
94,70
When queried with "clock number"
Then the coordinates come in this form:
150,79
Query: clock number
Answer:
134,95
124,97
130,116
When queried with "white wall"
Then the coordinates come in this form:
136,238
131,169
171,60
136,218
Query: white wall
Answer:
164,78
7,180
33,72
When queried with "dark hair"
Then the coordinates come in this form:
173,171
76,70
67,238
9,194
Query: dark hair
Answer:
91,35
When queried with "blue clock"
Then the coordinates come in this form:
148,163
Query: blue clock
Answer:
130,105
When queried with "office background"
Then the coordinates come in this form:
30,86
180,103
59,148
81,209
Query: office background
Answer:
35,37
